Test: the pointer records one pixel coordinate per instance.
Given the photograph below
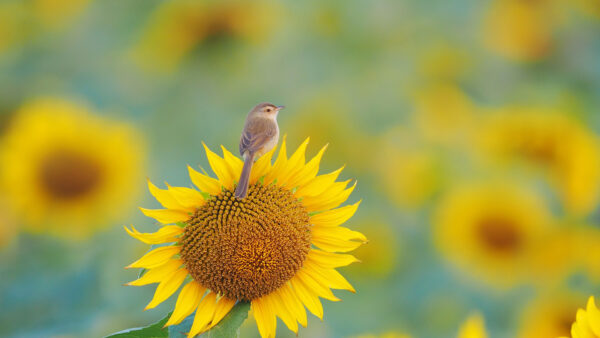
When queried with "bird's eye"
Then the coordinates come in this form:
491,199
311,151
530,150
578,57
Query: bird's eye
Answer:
268,110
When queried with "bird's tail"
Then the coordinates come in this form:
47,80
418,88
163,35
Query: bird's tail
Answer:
242,188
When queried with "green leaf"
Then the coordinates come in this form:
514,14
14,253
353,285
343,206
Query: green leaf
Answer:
230,325
153,331
227,328
181,330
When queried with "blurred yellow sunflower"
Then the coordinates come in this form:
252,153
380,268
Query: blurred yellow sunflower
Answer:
589,7
56,14
12,24
66,171
556,256
587,324
585,248
520,30
383,254
409,171
8,225
325,118
444,62
390,334
556,143
490,230
258,249
549,315
473,327
447,119
20,20
177,27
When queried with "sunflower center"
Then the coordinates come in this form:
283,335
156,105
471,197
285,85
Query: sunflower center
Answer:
499,235
66,175
540,151
245,249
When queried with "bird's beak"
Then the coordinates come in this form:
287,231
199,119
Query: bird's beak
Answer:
280,107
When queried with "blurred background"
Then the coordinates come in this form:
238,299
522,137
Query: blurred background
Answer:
472,128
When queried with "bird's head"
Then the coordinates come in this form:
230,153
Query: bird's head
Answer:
266,109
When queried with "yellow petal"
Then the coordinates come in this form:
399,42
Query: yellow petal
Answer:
156,257
473,327
204,183
294,304
167,287
188,300
204,314
219,167
164,197
165,234
330,260
594,316
308,172
308,298
329,199
583,327
315,286
265,318
334,217
262,166
338,233
224,305
280,163
158,274
294,165
234,164
327,277
166,216
281,310
575,331
189,198
335,245
318,185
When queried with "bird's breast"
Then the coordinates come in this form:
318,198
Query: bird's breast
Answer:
270,144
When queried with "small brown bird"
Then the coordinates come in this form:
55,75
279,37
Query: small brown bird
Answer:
260,135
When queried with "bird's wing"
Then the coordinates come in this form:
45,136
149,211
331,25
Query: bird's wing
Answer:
256,133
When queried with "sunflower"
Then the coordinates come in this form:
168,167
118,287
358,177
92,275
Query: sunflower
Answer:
11,24
384,257
177,27
277,248
473,327
520,30
8,226
589,7
549,315
409,171
66,171
446,120
587,324
558,145
585,240
325,117
491,230
390,334
443,62
57,14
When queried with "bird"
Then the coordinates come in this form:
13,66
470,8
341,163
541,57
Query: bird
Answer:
259,136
